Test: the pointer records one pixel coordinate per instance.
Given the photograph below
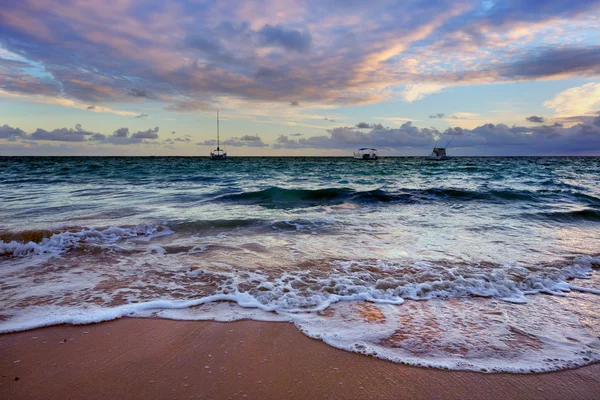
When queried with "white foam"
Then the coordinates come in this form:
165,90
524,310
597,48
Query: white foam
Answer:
478,335
323,304
60,242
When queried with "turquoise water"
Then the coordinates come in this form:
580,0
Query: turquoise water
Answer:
309,240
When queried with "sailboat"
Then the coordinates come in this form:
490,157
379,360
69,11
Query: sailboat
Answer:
218,153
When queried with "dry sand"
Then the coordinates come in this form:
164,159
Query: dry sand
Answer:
162,359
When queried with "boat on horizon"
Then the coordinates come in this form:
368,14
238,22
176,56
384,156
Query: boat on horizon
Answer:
366,154
218,153
439,153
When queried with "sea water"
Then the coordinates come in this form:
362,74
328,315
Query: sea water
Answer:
485,264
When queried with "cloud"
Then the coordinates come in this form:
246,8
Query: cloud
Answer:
548,63
244,141
535,119
91,108
440,116
149,134
364,125
187,105
329,119
138,93
493,139
419,90
288,39
191,56
141,116
294,103
122,137
268,73
62,134
581,100
7,132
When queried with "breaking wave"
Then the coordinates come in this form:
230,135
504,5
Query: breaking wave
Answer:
59,241
362,307
276,197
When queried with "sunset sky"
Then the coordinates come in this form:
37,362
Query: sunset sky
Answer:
134,77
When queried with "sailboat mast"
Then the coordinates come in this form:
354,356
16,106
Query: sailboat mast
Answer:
218,142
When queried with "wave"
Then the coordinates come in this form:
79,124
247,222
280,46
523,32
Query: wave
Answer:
586,214
361,307
276,197
54,242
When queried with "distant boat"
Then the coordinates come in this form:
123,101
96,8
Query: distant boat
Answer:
438,154
218,153
366,154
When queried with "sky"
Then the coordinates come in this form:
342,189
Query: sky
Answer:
291,77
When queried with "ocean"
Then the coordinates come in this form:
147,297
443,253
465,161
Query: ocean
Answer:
486,264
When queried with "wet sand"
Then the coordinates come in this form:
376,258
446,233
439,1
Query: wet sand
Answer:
162,359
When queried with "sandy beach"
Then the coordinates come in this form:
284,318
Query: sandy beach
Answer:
159,359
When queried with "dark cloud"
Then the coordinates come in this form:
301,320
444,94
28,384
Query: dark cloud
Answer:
62,134
121,132
296,134
537,120
149,134
364,125
217,53
212,50
138,93
172,133
268,73
440,116
142,116
98,136
208,46
294,103
289,39
7,132
188,106
329,119
492,139
244,141
91,107
122,137
78,134
583,61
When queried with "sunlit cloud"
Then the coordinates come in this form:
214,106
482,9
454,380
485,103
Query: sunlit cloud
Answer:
582,100
297,65
58,101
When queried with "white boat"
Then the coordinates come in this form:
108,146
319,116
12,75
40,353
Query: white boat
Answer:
366,154
218,153
438,154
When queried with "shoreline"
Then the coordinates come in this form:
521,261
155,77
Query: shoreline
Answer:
158,358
